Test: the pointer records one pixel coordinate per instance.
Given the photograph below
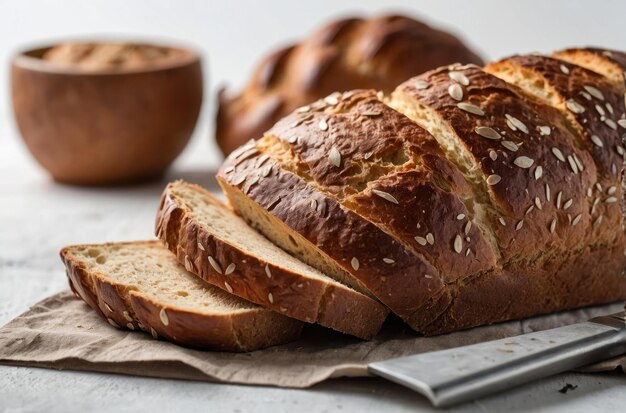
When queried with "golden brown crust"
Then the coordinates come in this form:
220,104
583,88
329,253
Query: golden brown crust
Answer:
124,307
543,248
593,275
382,150
343,236
599,113
592,105
289,293
520,199
352,53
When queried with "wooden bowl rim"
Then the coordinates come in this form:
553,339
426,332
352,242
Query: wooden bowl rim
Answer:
29,59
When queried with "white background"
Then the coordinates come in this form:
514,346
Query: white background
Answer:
232,35
38,217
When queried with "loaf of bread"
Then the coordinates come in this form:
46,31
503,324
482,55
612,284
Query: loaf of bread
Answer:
141,286
467,196
352,53
211,241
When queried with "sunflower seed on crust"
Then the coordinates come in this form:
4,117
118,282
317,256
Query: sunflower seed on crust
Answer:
597,141
459,78
517,123
430,238
596,93
215,264
470,108
559,155
610,123
458,244
574,106
512,146
230,269
421,240
455,91
334,157
523,162
354,263
493,179
164,318
385,195
487,132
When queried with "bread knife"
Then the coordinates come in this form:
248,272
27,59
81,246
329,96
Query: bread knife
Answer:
461,374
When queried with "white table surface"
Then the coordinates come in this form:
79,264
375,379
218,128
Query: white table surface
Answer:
38,217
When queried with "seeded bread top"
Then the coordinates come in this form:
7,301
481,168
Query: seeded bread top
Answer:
592,106
515,150
384,167
491,184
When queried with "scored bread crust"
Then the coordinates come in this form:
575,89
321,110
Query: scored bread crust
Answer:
609,63
125,307
592,119
383,152
257,278
351,53
341,235
552,249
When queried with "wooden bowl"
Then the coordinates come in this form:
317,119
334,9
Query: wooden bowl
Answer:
105,126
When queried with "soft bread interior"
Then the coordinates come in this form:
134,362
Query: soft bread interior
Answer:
149,268
288,239
223,223
458,154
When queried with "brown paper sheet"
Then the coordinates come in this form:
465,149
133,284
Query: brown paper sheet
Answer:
62,332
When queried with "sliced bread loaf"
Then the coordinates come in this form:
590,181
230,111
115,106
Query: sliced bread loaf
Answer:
217,245
502,207
140,285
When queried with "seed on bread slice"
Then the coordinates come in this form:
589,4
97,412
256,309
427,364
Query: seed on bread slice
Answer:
219,246
140,285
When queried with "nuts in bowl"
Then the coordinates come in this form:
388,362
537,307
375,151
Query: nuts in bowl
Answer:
106,113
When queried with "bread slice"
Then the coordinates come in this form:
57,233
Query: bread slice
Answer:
217,245
140,285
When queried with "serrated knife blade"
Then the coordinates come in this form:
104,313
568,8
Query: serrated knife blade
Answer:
461,374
